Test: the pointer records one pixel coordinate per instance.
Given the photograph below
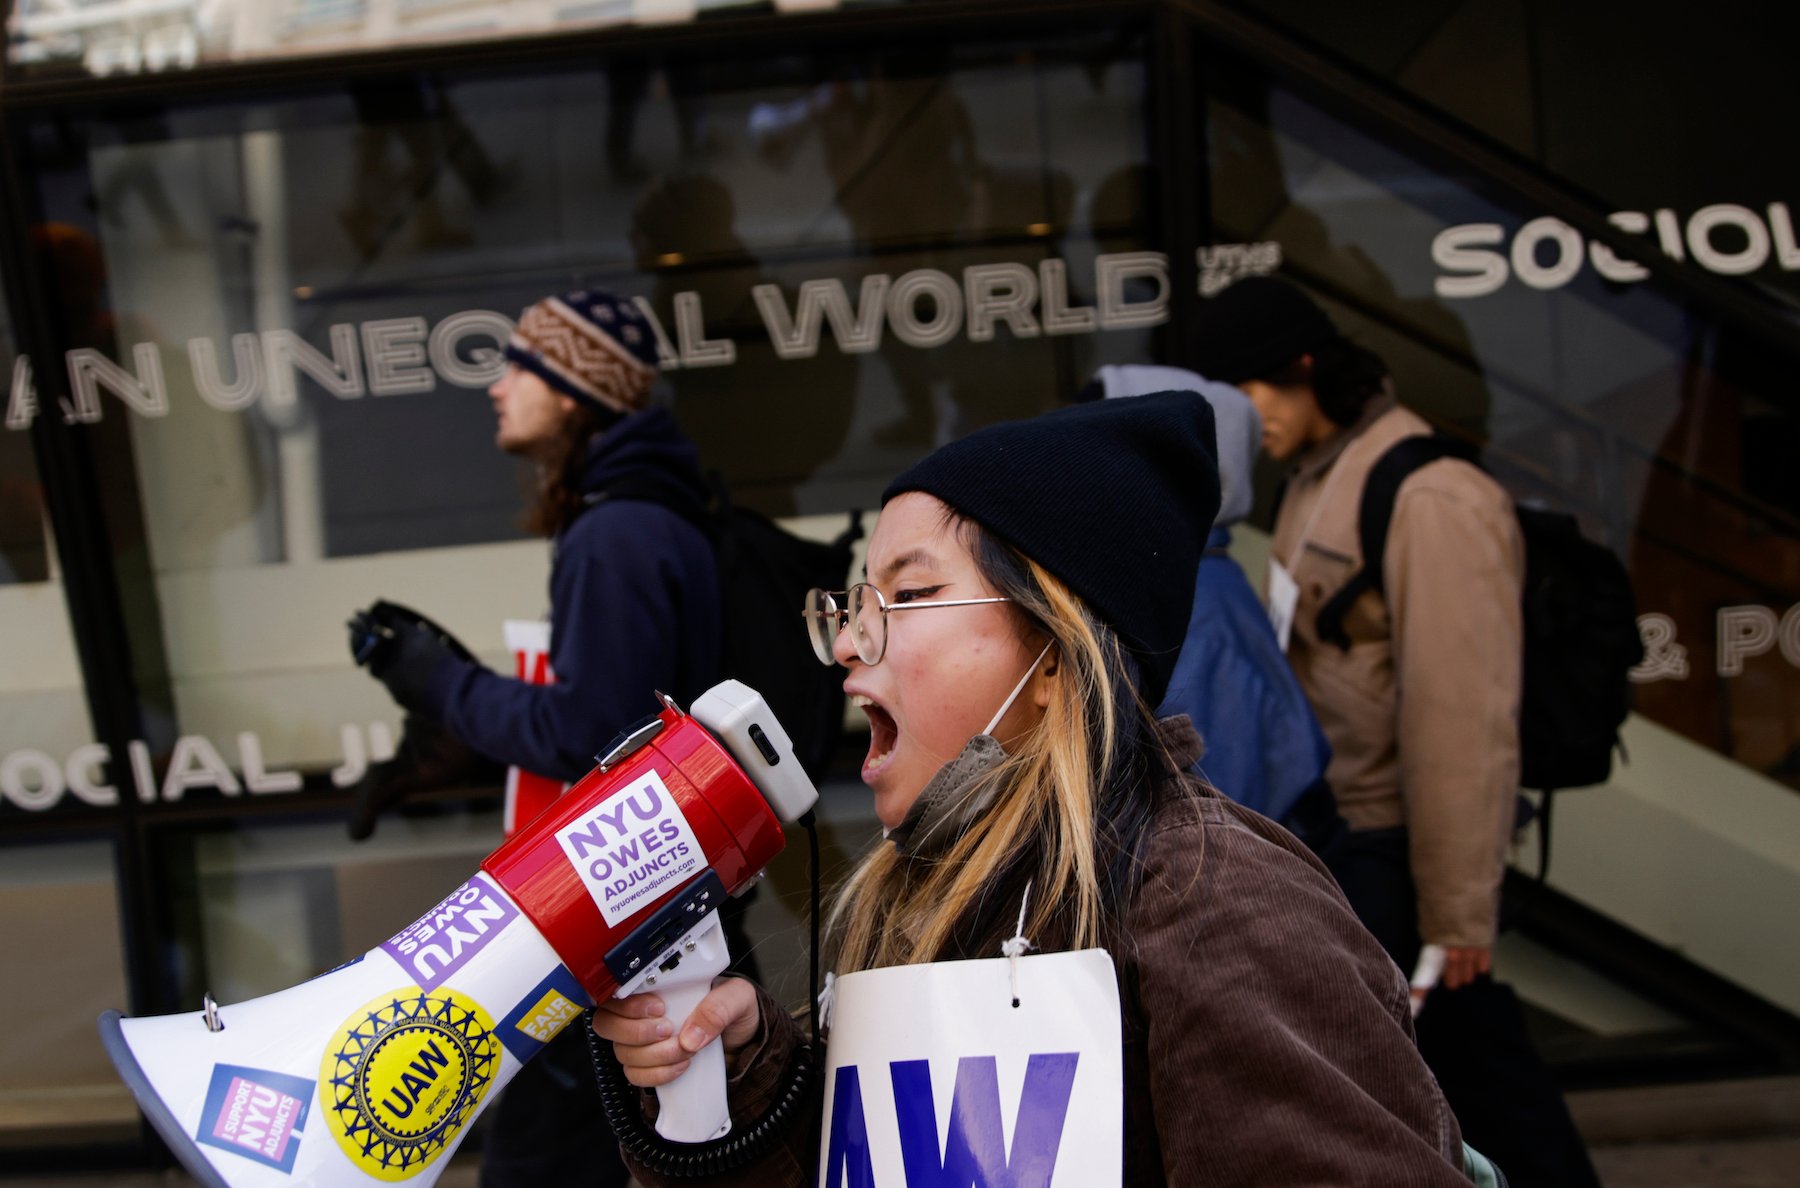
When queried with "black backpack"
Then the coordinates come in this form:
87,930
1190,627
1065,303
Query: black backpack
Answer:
1580,630
764,574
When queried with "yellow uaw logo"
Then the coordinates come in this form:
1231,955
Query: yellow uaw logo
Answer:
402,1076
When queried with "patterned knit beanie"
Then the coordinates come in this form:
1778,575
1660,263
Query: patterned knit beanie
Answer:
590,345
1115,498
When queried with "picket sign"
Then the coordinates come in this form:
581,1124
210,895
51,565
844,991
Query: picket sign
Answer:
527,793
934,1076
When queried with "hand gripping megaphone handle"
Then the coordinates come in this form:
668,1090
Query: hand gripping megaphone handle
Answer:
678,948
692,1106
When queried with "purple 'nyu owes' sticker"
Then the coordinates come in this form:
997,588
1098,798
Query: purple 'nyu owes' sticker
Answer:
443,940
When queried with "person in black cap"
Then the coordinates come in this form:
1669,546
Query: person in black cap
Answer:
1266,1036
1418,691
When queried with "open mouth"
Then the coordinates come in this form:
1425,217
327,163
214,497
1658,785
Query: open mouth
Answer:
883,732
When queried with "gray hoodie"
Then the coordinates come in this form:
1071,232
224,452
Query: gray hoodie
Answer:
1239,428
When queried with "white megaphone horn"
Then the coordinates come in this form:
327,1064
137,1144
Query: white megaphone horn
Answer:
373,1071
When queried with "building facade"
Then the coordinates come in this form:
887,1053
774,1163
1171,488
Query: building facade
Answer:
258,260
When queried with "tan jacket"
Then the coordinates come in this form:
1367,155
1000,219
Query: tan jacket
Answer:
1267,1037
1423,710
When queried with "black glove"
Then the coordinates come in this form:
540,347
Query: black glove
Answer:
407,663
371,629
402,651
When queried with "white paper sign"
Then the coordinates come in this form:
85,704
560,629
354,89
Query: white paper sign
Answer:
933,1076
527,793
1284,599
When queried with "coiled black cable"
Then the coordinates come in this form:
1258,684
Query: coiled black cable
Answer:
743,1146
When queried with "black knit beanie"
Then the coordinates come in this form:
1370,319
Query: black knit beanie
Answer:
1255,328
1115,498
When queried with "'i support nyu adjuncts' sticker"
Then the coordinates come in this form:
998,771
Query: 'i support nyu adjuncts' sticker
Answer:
256,1113
632,848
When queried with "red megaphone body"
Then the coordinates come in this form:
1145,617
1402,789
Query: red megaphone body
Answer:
609,857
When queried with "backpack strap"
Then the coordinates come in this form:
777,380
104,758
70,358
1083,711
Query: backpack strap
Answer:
1373,516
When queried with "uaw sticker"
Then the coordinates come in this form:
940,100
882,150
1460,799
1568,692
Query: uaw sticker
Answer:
632,848
256,1113
403,1075
546,1009
443,940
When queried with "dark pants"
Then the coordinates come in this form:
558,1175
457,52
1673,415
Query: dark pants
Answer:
548,1127
1473,1038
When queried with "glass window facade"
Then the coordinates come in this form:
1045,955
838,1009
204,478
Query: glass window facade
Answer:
1598,387
56,38
249,398
62,912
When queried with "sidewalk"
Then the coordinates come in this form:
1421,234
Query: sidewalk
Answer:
1744,1163
1720,1134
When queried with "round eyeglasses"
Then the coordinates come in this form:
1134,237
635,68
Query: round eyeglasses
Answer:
865,612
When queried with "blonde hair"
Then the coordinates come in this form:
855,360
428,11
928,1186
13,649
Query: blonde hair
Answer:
1046,820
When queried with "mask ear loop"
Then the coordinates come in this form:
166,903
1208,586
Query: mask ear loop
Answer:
1018,688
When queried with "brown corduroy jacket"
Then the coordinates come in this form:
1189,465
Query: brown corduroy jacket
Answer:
1267,1037
1422,711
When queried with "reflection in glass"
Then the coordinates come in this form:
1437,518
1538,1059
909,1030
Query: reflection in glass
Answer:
1656,425
42,710
287,314
24,533
1656,418
132,36
281,904
60,905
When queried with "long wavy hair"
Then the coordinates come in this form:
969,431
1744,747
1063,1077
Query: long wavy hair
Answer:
1073,798
558,497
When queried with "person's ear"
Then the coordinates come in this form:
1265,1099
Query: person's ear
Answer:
1046,673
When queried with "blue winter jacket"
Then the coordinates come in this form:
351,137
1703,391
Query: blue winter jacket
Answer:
1264,748
634,608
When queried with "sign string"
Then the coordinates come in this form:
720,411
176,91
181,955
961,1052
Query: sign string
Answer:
1019,945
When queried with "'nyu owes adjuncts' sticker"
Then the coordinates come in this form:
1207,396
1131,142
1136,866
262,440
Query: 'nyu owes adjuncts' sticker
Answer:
632,848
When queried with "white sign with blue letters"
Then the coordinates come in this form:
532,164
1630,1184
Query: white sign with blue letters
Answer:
935,1077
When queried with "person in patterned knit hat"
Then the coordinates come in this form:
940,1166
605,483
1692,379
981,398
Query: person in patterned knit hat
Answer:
634,607
589,346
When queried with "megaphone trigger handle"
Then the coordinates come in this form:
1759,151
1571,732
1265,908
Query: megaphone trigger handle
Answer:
694,1108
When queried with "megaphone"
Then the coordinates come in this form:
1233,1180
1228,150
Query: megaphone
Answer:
373,1071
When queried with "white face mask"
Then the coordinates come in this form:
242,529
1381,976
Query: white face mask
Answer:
949,801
